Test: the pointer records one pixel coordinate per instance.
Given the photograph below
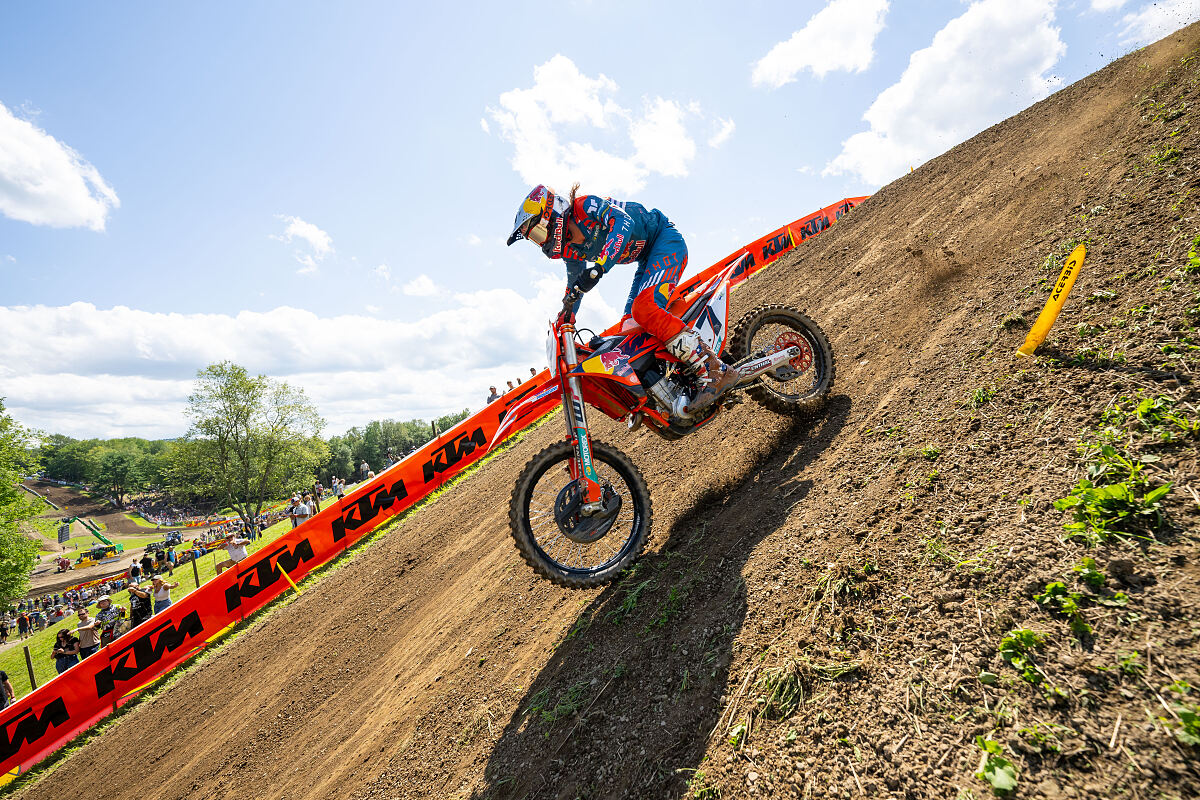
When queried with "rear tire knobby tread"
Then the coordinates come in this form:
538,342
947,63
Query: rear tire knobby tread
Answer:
523,536
739,348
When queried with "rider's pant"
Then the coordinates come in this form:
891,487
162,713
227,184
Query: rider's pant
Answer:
653,282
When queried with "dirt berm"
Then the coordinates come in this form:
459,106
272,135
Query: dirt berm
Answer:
823,606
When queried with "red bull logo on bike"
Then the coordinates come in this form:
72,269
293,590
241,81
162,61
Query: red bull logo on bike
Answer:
614,362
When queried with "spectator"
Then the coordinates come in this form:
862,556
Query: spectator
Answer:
172,560
315,499
66,651
303,511
89,641
3,631
106,616
7,695
147,562
391,457
291,509
371,475
510,387
139,604
532,372
135,572
162,593
23,625
363,469
493,396
236,549
340,488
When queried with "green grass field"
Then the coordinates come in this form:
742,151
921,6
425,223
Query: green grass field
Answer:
12,659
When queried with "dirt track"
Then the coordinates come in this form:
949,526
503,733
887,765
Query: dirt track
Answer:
883,574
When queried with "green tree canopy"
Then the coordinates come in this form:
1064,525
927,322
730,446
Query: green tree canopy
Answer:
18,554
253,439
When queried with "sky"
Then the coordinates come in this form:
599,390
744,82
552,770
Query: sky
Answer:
321,192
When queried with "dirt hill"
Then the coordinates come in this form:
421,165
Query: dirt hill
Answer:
823,607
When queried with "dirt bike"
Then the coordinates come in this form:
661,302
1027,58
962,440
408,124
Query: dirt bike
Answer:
580,512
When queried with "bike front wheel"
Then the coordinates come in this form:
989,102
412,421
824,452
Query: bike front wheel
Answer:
570,550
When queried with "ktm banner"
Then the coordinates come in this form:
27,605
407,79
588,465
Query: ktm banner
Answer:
38,724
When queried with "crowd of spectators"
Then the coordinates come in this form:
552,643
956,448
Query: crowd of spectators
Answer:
493,395
146,578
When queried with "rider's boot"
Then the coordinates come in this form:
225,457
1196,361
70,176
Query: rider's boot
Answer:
715,376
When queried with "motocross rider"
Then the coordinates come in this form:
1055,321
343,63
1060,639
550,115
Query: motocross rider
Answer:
583,228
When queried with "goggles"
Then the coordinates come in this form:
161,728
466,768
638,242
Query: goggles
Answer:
537,230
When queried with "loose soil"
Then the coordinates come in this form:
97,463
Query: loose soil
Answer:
821,607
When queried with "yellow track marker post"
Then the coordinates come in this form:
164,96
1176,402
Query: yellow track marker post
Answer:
1062,288
289,580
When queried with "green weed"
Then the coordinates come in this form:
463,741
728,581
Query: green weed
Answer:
699,790
1114,500
930,452
633,591
1088,573
1187,723
1045,737
1193,257
994,768
1131,664
1057,597
980,397
1017,648
1158,416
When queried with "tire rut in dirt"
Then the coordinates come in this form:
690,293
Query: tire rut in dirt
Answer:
638,498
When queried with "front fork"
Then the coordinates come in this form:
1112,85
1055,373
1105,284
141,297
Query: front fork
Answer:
577,429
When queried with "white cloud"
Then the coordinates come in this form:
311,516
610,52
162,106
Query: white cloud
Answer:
473,240
383,272
84,371
483,124
547,125
420,286
840,36
660,138
1155,20
45,182
312,244
983,66
10,259
372,309
1106,5
724,131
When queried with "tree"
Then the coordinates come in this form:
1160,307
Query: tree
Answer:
252,439
18,554
120,470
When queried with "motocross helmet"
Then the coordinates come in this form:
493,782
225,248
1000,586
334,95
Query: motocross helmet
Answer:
541,219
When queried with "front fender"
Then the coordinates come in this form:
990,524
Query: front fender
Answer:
515,415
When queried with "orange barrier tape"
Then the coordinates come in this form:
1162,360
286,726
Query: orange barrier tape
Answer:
41,722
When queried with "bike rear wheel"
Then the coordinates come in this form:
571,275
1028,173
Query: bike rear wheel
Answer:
769,328
555,542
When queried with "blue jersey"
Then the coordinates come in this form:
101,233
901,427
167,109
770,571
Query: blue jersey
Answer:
614,232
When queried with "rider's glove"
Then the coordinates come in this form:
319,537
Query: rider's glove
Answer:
588,279
568,311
